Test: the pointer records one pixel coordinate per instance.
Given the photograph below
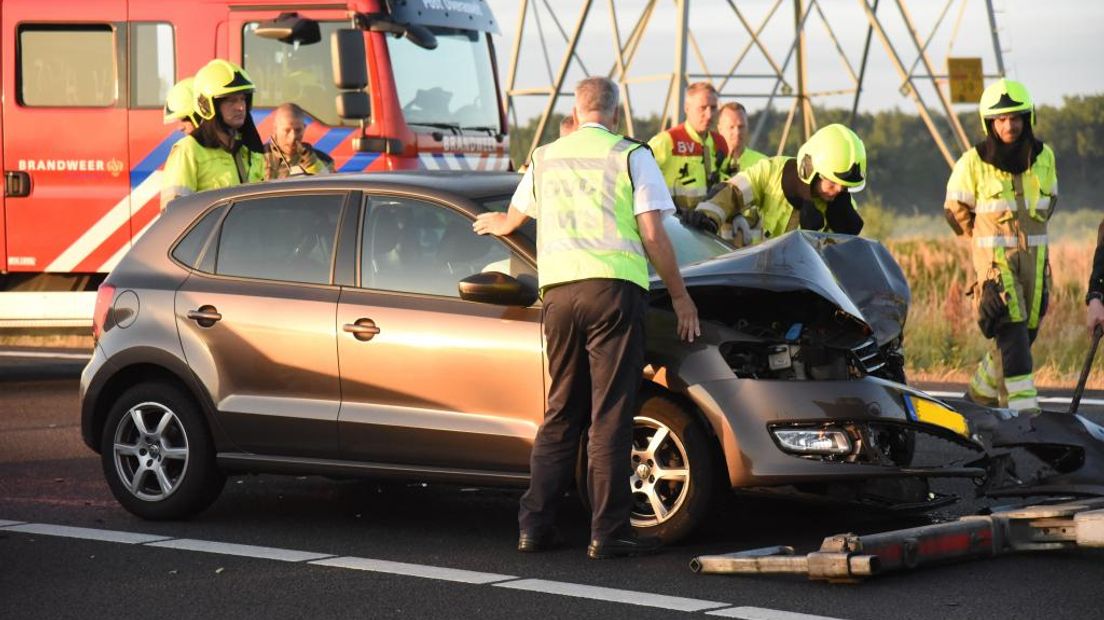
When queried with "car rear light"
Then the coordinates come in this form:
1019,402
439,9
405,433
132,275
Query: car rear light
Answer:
813,441
105,295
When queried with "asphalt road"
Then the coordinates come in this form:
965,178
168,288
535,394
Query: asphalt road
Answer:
387,550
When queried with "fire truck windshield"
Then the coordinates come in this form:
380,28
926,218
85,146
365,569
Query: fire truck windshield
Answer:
453,85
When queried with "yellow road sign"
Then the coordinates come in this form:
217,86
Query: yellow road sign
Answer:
966,79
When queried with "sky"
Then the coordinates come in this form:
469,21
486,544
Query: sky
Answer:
1054,47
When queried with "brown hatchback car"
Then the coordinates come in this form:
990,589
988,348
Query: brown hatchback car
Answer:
356,326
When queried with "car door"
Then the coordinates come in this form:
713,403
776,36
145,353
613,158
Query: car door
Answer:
429,379
258,329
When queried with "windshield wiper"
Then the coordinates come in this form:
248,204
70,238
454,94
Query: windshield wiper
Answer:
453,127
492,131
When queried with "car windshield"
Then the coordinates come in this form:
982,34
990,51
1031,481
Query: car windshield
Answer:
452,85
691,246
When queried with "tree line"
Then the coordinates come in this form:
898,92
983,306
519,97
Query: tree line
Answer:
907,174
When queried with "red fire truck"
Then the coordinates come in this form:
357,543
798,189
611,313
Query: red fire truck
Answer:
82,137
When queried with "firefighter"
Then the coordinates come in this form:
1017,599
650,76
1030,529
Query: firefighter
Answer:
225,148
1000,196
690,155
180,107
286,154
732,124
594,283
780,194
1095,297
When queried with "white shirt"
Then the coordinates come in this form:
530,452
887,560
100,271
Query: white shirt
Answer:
650,191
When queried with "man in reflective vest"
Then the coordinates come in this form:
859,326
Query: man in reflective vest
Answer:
690,155
1000,196
780,194
225,149
599,201
732,124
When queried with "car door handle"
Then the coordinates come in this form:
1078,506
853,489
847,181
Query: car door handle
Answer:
206,316
363,329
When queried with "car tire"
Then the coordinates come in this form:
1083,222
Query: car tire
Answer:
686,500
157,455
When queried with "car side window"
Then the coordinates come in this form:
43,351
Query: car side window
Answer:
289,238
413,246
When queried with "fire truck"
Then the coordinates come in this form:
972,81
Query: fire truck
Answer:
81,129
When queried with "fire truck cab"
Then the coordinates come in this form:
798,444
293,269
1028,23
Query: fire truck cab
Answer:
83,142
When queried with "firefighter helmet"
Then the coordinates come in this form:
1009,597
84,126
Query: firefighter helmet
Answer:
835,153
180,103
1005,97
215,80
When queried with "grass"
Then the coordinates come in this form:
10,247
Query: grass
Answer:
942,340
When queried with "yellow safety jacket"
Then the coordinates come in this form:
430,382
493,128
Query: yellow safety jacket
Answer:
746,160
192,167
1005,216
689,164
586,226
757,194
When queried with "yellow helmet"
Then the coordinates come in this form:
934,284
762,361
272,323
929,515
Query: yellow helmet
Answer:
180,103
216,79
1004,97
835,153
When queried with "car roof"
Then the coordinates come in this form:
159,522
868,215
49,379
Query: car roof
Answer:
472,185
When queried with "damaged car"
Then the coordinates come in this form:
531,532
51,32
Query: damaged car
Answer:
356,326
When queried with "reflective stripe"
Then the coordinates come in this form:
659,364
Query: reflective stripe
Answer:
965,198
995,206
744,185
1021,392
984,381
1015,312
1043,204
1000,241
1037,290
1019,384
619,245
574,163
709,207
1019,404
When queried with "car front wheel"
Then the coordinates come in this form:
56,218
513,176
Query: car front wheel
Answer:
157,455
673,470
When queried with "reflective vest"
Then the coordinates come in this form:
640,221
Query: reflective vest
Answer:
689,165
586,227
756,193
1006,217
746,160
193,168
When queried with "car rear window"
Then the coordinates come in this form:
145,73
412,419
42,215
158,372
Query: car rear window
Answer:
289,238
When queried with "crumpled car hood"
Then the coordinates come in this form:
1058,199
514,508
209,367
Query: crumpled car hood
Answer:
856,275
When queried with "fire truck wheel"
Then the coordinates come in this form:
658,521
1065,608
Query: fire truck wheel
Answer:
157,455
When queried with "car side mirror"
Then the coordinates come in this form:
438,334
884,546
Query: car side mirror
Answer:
493,287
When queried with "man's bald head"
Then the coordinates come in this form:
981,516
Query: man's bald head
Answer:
288,124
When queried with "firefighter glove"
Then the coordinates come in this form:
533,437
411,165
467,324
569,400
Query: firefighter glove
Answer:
992,309
699,220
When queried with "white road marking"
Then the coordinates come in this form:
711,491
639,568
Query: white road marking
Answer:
413,570
65,531
440,573
758,613
47,355
248,551
613,595
1058,400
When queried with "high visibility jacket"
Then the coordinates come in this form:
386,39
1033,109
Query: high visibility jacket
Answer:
757,194
192,168
746,160
690,165
586,226
1005,216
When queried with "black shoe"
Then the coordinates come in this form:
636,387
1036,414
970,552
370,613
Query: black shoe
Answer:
533,542
622,546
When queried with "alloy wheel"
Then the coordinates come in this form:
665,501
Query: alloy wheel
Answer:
661,472
151,451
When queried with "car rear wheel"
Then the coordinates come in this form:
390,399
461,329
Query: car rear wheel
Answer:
673,470
157,455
